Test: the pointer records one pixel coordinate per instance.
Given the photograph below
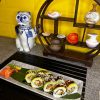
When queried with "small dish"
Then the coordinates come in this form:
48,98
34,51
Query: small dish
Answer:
54,14
61,36
46,34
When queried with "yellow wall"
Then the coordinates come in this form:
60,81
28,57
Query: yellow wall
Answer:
9,8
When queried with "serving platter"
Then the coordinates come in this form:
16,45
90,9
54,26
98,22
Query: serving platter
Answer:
27,66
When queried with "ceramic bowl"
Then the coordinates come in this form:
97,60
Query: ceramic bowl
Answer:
54,14
46,34
91,44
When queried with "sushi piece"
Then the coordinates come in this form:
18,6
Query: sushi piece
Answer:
60,82
29,77
59,92
49,79
68,82
49,86
44,73
31,71
72,88
37,82
41,72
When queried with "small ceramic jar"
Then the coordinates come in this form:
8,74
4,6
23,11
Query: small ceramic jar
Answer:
92,42
92,17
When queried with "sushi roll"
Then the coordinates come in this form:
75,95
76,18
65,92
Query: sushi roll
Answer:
59,92
44,74
37,82
31,71
41,73
72,88
49,77
68,82
29,77
49,86
60,82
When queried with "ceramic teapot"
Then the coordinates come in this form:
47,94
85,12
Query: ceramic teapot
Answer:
55,45
92,42
92,17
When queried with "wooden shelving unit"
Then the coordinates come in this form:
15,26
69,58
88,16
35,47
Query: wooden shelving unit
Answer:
82,25
85,58
59,18
70,55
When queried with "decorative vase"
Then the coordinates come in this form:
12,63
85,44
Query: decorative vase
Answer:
92,42
92,17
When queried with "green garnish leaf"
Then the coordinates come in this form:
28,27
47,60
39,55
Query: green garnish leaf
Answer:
20,75
11,65
24,82
24,70
72,96
41,88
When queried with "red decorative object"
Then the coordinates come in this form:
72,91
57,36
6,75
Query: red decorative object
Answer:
72,38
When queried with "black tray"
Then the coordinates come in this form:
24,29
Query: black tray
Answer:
15,92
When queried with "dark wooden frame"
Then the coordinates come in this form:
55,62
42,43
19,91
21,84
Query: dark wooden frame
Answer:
98,1
86,58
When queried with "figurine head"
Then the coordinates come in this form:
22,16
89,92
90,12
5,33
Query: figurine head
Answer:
23,18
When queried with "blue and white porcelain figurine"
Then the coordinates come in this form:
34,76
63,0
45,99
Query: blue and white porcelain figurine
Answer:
25,33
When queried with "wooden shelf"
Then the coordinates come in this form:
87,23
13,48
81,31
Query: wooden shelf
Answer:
59,18
82,25
71,56
81,44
